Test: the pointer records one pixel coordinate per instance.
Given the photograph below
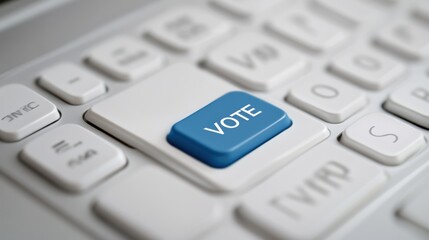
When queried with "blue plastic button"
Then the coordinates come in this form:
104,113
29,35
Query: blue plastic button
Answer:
228,128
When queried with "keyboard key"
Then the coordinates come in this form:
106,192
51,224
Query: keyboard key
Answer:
142,117
255,61
125,58
153,204
246,8
367,68
355,12
328,99
313,194
383,138
415,210
228,128
187,28
71,83
73,157
23,112
307,29
406,38
411,101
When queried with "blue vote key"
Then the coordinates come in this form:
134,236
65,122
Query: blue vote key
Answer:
228,128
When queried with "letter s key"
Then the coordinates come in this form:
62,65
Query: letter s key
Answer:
371,131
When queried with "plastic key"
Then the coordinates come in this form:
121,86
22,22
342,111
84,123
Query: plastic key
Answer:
23,112
228,128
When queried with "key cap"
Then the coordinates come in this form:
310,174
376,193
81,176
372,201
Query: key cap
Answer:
125,58
307,29
367,68
245,8
312,195
228,128
187,28
71,83
23,112
328,99
153,204
383,138
411,101
255,61
355,12
415,210
406,38
73,157
142,117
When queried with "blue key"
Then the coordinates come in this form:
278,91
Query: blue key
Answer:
228,128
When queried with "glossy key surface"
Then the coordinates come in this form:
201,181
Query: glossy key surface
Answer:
228,128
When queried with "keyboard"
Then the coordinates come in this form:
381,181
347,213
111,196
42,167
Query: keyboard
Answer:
231,119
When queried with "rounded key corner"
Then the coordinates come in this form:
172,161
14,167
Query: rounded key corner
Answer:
287,119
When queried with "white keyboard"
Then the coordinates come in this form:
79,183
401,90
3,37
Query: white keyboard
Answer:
231,119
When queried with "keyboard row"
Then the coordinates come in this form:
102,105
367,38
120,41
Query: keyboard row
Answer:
220,126
251,59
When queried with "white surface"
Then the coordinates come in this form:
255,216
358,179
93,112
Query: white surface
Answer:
416,209
313,194
153,204
383,138
73,84
411,101
246,8
367,67
406,38
23,111
23,217
255,61
145,123
187,28
307,29
125,58
72,157
328,99
354,11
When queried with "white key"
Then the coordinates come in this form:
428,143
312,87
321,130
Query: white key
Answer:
255,61
409,39
328,99
23,112
383,138
72,157
352,11
142,117
187,28
367,68
416,209
125,58
246,8
154,204
314,194
308,30
71,83
411,101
